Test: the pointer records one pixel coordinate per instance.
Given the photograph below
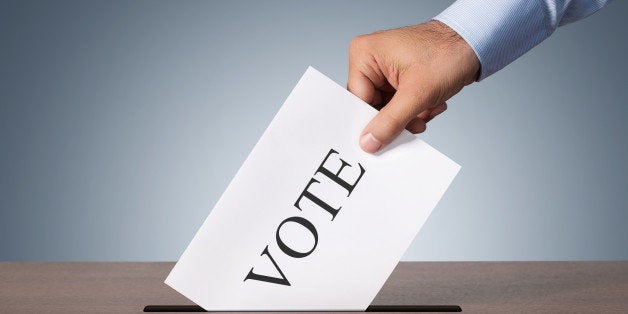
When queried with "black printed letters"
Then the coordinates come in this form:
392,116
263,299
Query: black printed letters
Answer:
306,224
283,281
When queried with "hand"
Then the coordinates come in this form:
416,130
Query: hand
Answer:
408,73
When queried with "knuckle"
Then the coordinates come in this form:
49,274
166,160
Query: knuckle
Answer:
358,42
392,121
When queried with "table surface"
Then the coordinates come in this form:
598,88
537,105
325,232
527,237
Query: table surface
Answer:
476,286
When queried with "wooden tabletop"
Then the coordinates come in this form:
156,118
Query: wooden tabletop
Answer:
120,287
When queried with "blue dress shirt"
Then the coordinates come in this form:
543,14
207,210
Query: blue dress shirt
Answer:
500,31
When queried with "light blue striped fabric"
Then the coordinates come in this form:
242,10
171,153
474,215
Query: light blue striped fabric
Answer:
500,31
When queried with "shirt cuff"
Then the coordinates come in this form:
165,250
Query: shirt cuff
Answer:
499,32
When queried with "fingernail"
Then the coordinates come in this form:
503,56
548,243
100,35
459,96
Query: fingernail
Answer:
369,143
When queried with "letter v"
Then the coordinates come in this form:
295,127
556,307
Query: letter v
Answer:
254,276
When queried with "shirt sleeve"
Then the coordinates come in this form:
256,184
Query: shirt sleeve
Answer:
501,31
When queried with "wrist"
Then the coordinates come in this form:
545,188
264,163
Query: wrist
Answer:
453,45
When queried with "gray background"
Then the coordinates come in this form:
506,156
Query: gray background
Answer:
121,123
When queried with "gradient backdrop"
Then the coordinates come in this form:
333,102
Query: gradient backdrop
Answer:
121,123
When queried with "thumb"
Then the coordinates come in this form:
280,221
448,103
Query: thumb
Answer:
392,119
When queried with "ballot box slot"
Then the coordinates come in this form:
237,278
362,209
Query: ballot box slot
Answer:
372,308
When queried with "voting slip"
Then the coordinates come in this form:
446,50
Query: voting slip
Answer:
310,221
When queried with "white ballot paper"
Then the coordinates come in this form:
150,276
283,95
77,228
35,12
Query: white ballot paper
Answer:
310,221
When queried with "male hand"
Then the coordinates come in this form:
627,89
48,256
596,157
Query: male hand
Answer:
408,73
